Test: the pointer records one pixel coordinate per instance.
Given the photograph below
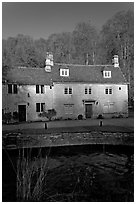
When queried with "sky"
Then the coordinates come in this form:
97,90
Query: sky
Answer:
41,19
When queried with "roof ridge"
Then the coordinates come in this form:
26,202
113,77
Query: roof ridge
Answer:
95,65
21,67
83,64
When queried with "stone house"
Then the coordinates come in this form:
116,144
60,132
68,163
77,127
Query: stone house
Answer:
74,91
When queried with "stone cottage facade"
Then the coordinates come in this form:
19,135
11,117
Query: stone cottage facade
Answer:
74,91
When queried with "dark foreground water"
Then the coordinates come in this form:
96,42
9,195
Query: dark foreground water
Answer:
78,173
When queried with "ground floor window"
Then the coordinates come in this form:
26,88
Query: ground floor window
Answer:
40,107
68,109
37,107
108,107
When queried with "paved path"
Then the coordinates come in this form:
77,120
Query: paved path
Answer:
119,122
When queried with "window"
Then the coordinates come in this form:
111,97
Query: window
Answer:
37,89
42,89
107,74
108,91
64,72
68,109
68,90
37,107
42,107
12,88
88,90
15,88
108,107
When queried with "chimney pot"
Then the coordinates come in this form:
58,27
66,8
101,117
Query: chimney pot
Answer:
116,61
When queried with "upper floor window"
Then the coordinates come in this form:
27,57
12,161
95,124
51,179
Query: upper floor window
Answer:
39,89
108,91
64,72
42,88
68,90
88,90
107,74
15,88
12,88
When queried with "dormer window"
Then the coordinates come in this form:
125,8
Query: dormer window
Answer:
107,74
64,72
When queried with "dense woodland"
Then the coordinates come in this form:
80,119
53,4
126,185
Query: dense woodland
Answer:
84,45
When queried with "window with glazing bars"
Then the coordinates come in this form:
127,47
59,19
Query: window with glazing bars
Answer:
90,90
15,88
42,107
86,90
37,89
37,107
42,89
70,90
66,91
108,91
10,88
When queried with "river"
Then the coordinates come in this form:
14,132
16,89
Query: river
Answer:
85,173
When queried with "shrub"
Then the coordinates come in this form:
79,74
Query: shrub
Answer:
100,117
6,117
15,115
48,114
80,117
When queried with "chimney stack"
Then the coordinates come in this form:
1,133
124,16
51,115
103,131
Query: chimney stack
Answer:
116,61
49,62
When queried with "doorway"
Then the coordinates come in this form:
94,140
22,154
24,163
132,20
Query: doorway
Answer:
88,110
22,113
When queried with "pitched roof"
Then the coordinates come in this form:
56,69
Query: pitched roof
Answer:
28,76
77,73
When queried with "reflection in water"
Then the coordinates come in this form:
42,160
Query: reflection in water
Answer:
69,174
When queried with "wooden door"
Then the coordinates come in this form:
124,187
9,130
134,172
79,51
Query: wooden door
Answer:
22,113
88,110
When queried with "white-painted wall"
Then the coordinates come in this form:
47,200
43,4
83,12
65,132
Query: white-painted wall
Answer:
55,98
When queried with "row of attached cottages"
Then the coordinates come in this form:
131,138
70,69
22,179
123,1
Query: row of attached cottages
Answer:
72,90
